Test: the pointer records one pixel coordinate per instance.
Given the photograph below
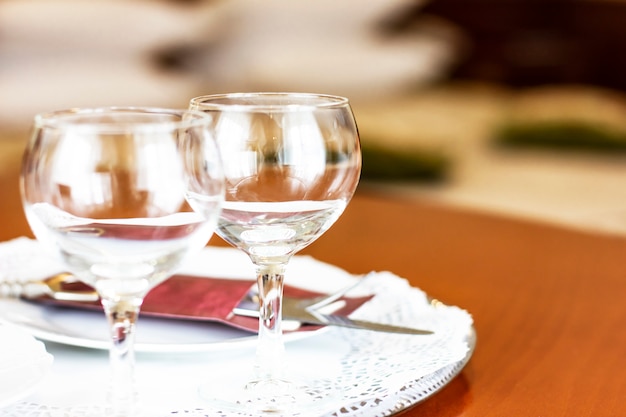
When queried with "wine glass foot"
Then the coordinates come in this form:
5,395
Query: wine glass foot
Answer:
275,397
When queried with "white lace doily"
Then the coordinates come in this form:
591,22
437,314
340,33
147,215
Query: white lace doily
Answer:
381,373
388,373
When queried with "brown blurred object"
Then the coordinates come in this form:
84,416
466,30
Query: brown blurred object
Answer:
12,146
533,42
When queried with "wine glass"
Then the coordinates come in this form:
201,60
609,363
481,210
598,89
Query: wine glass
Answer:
292,163
116,193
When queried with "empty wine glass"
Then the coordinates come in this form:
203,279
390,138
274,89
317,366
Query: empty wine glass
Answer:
115,193
292,163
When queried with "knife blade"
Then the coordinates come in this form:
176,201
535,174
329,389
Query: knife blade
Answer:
293,312
315,317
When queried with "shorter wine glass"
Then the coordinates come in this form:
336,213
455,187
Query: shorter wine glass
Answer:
116,194
292,163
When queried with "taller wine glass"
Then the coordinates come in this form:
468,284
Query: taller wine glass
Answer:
117,195
292,162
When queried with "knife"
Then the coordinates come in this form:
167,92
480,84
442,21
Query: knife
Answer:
291,311
314,317
60,288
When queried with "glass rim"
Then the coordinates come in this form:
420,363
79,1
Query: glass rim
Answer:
70,118
243,101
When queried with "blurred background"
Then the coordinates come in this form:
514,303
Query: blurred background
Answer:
511,106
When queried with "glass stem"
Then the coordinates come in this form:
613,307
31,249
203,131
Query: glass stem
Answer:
270,348
122,316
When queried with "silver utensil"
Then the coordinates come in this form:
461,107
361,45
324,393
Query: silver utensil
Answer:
307,311
302,310
315,317
51,286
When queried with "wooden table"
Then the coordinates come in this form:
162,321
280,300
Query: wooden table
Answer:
548,303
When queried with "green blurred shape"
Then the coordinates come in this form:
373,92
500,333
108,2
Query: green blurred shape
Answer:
566,135
380,163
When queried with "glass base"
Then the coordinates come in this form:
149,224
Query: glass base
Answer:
276,397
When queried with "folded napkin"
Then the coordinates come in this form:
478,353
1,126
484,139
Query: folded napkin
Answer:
188,296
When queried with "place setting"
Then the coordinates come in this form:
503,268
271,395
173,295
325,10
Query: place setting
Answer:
122,202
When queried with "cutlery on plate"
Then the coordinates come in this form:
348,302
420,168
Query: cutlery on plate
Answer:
306,311
303,310
317,318
54,287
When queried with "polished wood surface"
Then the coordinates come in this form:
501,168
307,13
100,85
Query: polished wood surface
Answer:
548,303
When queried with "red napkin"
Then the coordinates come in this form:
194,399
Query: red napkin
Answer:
189,297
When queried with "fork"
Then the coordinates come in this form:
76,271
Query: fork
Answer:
249,306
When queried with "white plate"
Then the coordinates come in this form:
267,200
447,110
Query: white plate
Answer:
24,363
380,374
89,328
